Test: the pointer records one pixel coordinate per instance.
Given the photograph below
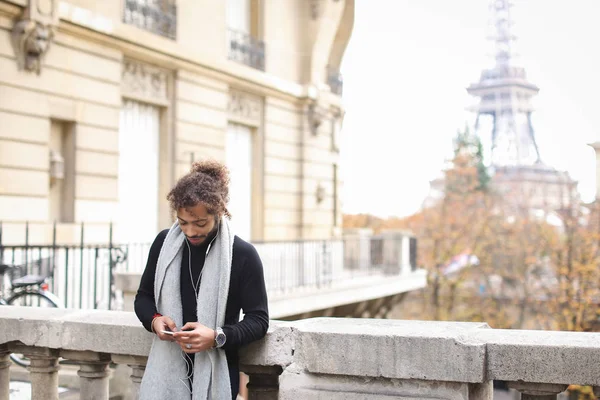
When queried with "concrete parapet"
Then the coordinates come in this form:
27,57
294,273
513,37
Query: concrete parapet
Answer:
326,358
276,349
543,356
82,330
391,349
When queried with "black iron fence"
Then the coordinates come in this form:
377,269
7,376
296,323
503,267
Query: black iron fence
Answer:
82,275
301,264
314,264
298,265
246,49
287,265
136,256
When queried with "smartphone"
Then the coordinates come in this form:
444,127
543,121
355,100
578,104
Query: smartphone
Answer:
167,332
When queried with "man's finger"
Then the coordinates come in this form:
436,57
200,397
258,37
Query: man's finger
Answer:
190,326
171,324
182,336
165,337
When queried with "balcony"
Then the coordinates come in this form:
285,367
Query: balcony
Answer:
315,358
246,49
156,16
335,80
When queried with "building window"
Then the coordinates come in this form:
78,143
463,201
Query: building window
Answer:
240,164
243,23
156,16
139,135
62,172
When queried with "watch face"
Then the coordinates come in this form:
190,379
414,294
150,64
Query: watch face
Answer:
220,339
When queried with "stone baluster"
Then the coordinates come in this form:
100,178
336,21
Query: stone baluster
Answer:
4,372
137,365
481,391
538,391
43,371
137,373
94,377
264,381
94,373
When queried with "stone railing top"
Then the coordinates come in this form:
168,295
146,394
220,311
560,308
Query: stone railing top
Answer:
391,348
440,351
79,330
542,356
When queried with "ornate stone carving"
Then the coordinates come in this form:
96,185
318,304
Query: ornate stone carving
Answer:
245,108
145,81
33,32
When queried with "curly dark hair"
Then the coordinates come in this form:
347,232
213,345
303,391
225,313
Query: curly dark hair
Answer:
206,183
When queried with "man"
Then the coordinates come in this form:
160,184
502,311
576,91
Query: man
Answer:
197,279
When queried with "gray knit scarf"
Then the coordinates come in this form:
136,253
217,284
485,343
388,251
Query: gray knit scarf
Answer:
166,372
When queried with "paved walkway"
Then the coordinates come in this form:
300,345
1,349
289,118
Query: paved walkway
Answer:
22,391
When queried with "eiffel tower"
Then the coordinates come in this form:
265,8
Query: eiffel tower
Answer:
504,95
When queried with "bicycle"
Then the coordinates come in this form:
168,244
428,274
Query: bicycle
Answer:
25,291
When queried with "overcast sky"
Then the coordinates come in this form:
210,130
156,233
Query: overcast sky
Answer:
405,73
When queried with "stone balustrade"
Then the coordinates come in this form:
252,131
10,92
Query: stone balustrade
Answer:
316,358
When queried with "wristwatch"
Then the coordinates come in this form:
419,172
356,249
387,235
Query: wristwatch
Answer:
220,338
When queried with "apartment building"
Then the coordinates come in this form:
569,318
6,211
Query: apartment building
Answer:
104,104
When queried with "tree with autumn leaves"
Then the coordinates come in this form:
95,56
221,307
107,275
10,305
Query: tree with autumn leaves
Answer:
491,258
494,260
451,232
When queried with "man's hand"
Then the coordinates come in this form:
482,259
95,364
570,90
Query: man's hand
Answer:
164,324
195,337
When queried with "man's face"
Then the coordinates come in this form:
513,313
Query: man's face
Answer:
196,223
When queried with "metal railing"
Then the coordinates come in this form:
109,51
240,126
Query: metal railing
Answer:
246,49
314,264
156,16
81,275
296,265
335,80
391,254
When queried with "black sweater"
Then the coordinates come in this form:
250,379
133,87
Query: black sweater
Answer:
246,292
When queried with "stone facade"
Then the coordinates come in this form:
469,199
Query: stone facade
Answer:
64,111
